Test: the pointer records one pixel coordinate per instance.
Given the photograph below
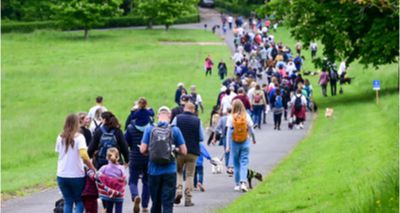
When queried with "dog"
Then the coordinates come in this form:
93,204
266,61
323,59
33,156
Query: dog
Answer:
346,80
328,112
253,174
216,165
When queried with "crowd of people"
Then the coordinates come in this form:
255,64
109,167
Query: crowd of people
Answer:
165,151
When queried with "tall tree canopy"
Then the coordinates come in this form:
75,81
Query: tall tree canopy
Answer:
165,12
86,14
364,30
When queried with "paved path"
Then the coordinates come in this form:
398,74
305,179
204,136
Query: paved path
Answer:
272,146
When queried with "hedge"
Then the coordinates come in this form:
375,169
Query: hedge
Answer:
125,21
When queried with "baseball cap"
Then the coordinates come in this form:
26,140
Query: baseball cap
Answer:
164,109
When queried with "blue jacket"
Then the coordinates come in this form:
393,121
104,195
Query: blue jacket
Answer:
203,154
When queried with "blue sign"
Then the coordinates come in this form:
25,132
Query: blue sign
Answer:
377,85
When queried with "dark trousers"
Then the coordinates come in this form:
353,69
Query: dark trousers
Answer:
198,175
333,87
90,203
208,71
257,114
313,53
71,189
162,192
230,25
109,206
277,119
135,173
221,75
323,87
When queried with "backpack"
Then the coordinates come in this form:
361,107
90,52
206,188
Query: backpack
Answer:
160,146
107,140
333,75
240,131
257,97
278,102
96,125
297,104
59,206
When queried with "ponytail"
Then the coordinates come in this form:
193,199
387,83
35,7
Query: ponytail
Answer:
113,155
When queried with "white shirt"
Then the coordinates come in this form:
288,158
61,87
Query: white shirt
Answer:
92,111
237,57
303,100
313,46
290,67
70,163
250,94
230,19
342,68
198,99
226,102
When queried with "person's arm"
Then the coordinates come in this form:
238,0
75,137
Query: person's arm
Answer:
179,140
251,129
229,131
83,152
151,112
204,152
128,138
95,143
201,133
145,140
128,120
123,145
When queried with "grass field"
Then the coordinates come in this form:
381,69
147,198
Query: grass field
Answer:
348,163
48,74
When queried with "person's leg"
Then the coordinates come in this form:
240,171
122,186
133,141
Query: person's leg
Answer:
323,87
155,186
236,162
109,206
195,178
145,189
66,190
260,110
275,121
168,192
190,167
244,160
179,185
90,203
133,180
334,86
200,172
279,121
226,153
118,207
78,185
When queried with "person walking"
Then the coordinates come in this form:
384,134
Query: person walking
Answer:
333,77
96,121
208,65
138,167
196,99
230,21
111,183
323,81
222,129
179,92
141,113
99,104
72,155
314,48
199,170
278,109
259,103
179,109
158,142
193,133
222,71
84,122
239,126
298,110
107,136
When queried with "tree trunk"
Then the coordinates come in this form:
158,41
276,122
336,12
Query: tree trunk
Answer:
166,27
86,34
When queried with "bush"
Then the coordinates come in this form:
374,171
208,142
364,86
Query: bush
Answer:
124,21
235,8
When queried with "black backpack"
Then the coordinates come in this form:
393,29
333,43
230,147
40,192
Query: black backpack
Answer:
160,146
59,206
297,104
107,140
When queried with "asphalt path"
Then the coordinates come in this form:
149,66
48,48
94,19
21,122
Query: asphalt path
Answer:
272,146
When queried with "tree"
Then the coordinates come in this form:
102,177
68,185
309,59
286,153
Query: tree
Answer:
165,12
86,14
364,30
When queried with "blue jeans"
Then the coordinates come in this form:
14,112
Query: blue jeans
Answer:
257,111
71,189
136,173
198,175
162,192
109,205
240,153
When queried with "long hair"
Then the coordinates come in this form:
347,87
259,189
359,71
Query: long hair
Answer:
82,116
113,155
71,127
238,107
110,120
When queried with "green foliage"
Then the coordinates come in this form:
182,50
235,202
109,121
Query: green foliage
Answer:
351,30
86,14
22,10
237,7
166,12
26,27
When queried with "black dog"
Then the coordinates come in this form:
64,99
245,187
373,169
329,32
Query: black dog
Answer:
346,80
253,174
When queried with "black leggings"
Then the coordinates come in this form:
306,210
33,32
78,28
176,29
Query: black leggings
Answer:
277,120
208,71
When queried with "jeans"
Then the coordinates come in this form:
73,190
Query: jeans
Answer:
198,175
257,110
162,192
189,162
240,152
109,206
135,173
333,87
71,189
323,87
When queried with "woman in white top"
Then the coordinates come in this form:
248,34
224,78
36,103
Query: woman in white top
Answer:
72,154
239,127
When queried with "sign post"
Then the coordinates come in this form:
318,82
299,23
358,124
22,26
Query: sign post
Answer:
376,85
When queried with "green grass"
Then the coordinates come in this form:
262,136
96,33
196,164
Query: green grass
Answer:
348,163
48,74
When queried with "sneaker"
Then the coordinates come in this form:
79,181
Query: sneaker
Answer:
189,203
145,210
136,205
201,187
237,188
243,187
301,126
178,199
